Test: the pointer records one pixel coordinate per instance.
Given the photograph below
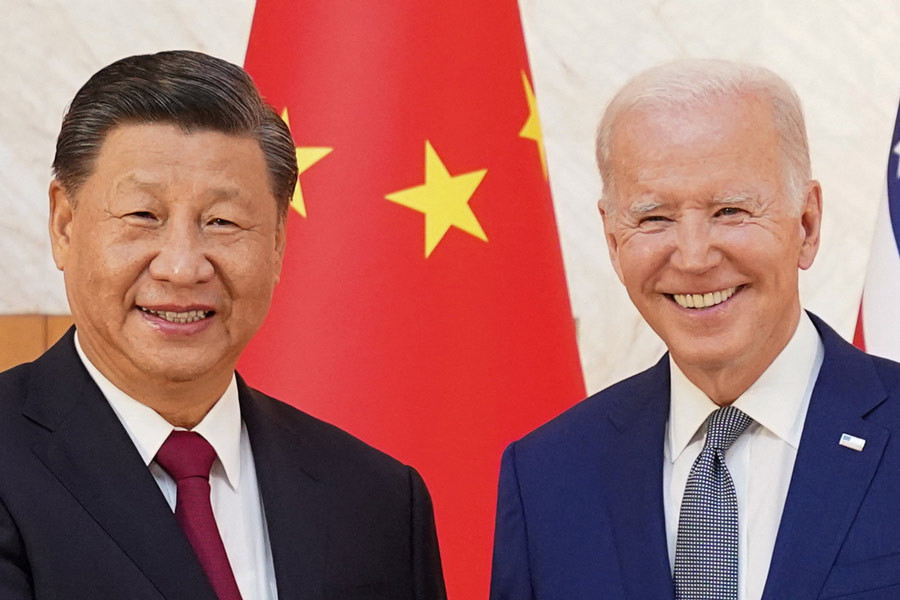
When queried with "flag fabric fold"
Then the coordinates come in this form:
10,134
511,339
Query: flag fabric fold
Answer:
423,304
878,324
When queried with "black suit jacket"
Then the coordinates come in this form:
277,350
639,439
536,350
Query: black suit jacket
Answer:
82,517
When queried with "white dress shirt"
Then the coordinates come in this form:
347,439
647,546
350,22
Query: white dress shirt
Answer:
760,461
234,493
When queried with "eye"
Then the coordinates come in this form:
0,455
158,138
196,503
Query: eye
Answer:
219,222
653,219
141,216
729,211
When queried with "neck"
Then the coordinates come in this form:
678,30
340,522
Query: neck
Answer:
722,386
181,402
179,413
724,383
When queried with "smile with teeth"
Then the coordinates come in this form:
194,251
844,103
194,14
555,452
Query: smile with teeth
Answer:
189,316
704,300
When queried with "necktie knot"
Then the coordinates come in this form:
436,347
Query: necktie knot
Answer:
187,457
706,550
725,426
186,454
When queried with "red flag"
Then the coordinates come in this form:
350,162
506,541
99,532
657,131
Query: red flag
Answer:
423,304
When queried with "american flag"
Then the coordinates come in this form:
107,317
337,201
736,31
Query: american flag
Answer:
878,326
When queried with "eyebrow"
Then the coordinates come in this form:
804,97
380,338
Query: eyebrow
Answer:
644,206
738,198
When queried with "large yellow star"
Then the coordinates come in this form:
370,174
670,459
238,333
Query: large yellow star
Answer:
307,156
532,128
444,199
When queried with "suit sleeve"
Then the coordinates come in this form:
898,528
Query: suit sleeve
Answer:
15,577
428,576
510,572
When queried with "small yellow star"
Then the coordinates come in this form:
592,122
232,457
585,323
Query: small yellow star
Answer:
307,156
444,199
532,128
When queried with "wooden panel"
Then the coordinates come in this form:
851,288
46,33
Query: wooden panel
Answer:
22,338
57,325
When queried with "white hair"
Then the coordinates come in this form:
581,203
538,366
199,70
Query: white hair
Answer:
693,83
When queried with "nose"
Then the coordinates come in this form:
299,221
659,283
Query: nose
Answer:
181,259
695,249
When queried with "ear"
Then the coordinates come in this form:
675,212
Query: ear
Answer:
811,224
612,244
280,243
62,214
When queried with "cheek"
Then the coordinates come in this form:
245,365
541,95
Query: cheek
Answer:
762,252
643,258
249,270
112,246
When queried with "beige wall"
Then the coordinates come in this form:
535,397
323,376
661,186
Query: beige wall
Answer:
24,337
841,56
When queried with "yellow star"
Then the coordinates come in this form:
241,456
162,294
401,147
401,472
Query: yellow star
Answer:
444,199
307,156
532,128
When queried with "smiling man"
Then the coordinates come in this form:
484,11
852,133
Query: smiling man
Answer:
759,458
134,462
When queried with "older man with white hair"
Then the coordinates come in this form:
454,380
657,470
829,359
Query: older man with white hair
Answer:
756,458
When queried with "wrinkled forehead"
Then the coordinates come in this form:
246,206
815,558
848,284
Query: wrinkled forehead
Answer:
717,116
739,128
705,152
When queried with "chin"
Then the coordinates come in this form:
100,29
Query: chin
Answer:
688,356
180,372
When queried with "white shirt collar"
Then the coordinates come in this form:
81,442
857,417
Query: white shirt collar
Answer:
777,400
221,426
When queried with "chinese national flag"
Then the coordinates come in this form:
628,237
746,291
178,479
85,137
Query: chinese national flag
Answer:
423,305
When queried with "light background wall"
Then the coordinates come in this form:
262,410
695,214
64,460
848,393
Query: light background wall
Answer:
841,56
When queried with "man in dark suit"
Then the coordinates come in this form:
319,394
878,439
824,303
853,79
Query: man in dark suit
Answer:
760,457
134,462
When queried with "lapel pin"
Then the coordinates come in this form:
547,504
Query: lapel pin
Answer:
852,442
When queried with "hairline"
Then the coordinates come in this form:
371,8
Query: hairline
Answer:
695,84
72,187
190,90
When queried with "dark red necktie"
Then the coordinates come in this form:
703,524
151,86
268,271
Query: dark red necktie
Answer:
187,457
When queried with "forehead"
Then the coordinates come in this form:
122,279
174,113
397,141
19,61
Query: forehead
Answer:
732,136
165,156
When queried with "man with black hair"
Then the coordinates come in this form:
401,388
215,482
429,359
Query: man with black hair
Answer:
134,462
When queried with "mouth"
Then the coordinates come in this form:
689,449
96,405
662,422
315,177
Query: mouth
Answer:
188,316
706,299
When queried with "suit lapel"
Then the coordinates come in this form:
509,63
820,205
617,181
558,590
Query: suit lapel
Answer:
293,496
829,481
86,448
632,483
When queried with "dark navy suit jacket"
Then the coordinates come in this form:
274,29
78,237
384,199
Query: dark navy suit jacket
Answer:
580,509
81,517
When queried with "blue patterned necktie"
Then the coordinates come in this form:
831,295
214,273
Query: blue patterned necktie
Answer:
706,553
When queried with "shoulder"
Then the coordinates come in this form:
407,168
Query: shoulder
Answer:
329,448
13,382
602,413
853,363
59,368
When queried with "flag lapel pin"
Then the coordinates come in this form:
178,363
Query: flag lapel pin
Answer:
852,442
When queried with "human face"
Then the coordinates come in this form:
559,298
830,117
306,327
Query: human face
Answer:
704,237
170,249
